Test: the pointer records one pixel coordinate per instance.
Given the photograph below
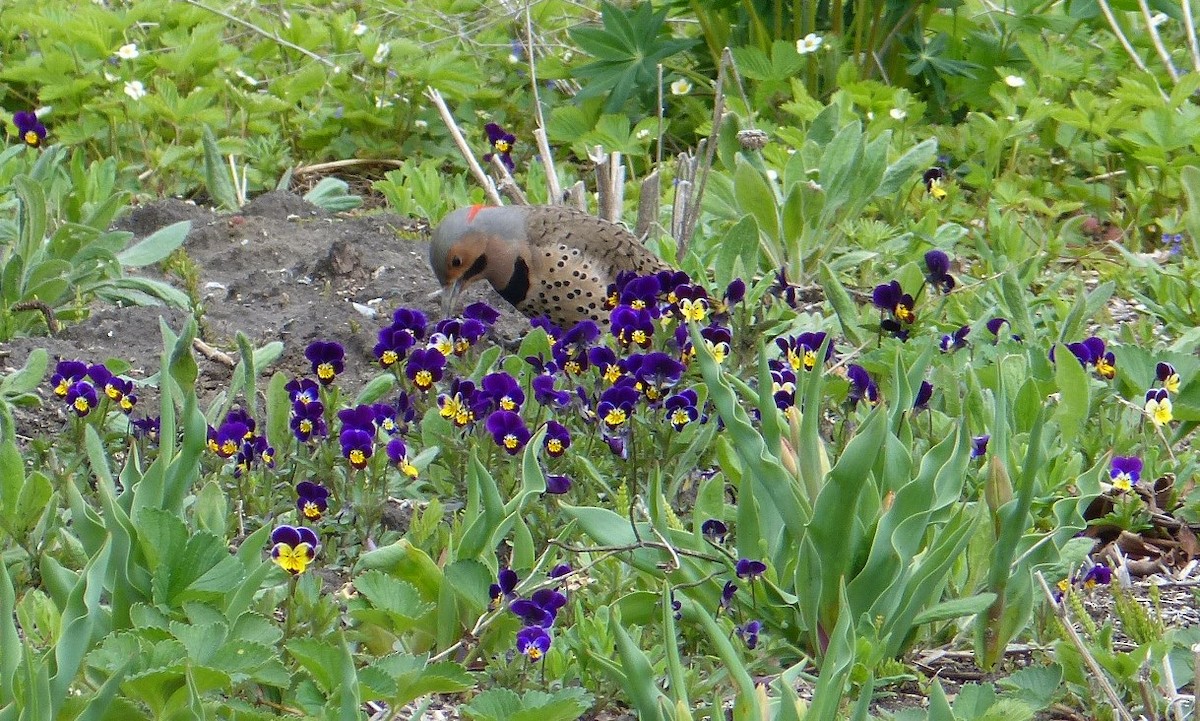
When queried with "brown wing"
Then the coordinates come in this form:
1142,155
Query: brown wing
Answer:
611,246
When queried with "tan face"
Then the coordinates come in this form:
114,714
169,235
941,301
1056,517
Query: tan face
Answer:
462,264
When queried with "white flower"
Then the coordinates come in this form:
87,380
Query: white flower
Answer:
1014,81
127,52
422,124
642,134
381,53
897,114
1158,19
110,77
359,29
249,80
808,44
681,87
772,175
382,102
135,90
870,115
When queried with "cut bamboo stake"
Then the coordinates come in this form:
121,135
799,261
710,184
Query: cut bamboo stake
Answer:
489,188
610,184
577,196
649,203
685,174
553,187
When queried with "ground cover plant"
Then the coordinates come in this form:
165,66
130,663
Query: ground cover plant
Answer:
923,385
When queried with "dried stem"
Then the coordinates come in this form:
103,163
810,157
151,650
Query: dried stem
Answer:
693,214
1112,23
552,185
1156,39
577,196
1060,610
488,186
42,307
348,163
1189,29
507,185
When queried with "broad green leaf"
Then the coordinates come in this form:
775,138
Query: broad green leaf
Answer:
955,608
156,246
1074,394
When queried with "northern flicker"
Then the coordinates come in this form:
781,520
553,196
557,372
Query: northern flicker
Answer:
545,260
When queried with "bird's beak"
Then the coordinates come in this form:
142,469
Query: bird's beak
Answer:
449,295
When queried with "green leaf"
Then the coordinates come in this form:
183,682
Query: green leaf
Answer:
1074,394
470,580
378,387
640,678
11,647
1036,685
414,677
156,246
740,242
26,378
955,608
396,598
756,197
843,304
217,177
915,159
321,659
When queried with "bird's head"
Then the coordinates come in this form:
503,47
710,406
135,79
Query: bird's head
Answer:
474,243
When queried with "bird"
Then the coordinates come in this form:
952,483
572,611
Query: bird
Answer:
547,260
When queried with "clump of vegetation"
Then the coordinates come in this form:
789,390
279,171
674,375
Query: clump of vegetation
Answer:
893,399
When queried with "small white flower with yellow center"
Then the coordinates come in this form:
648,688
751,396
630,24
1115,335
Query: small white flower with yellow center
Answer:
808,44
898,114
135,90
681,87
128,51
1014,81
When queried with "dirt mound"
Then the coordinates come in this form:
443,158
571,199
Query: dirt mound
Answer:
281,269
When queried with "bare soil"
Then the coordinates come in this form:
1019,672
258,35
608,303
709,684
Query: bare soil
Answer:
281,269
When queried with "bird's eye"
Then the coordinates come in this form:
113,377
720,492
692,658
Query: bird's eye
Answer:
455,261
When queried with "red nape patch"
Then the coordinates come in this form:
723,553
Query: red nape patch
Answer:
474,211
